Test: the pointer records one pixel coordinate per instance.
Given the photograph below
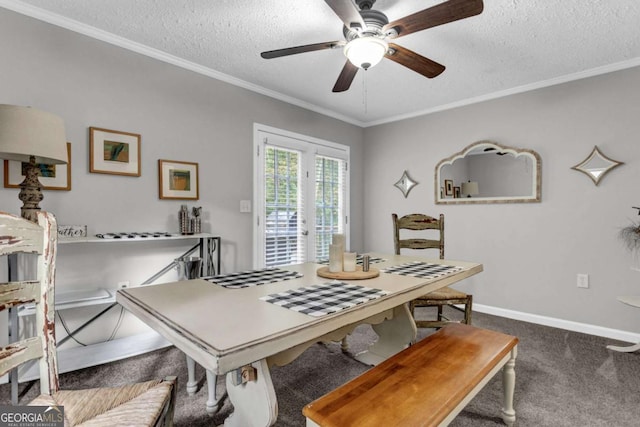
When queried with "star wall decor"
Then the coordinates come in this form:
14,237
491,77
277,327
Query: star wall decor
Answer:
405,184
596,165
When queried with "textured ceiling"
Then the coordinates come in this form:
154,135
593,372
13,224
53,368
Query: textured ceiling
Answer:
514,45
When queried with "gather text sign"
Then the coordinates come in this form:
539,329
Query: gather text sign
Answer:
72,230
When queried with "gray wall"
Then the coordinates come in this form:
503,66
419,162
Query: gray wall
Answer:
531,252
181,115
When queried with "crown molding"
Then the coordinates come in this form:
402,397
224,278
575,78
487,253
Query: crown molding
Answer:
95,33
87,30
623,65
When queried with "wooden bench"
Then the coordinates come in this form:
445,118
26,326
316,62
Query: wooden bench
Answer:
427,384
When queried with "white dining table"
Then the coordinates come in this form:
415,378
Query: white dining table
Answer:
225,329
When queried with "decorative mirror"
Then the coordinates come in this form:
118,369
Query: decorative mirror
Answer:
405,184
487,172
597,165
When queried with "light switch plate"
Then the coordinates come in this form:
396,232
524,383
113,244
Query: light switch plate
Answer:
583,280
245,206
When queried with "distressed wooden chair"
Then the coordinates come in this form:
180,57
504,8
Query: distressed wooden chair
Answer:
445,296
148,403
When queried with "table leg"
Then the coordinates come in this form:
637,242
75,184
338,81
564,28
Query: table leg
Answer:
254,402
629,349
394,334
344,346
213,403
192,384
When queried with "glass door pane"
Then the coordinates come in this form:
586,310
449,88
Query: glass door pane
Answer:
285,235
329,202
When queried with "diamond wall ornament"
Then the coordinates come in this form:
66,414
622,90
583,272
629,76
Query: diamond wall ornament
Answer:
405,184
596,165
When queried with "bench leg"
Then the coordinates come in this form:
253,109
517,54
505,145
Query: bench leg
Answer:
508,385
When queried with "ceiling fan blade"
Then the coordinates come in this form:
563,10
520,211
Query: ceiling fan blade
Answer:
413,61
300,49
345,78
442,13
347,12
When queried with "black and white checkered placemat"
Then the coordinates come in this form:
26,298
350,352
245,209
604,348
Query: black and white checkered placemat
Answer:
246,279
134,235
320,300
372,260
423,270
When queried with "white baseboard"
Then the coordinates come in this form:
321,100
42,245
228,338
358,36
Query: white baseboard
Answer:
585,328
97,354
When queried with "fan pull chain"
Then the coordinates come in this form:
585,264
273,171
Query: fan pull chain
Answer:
364,92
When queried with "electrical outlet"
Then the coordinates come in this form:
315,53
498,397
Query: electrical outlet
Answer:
583,280
125,284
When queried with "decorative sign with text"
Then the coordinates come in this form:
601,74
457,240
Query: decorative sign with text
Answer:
72,231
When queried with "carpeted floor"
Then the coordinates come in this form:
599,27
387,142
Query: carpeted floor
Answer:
562,379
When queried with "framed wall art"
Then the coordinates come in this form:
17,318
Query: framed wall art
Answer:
448,187
52,177
114,152
178,180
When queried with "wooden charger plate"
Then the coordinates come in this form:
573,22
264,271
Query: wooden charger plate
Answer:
349,275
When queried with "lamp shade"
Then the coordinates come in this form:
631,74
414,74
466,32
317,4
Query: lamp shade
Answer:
26,132
365,52
469,188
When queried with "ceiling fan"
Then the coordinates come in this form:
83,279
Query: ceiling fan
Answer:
367,33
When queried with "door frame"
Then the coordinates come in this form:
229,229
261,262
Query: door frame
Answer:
315,146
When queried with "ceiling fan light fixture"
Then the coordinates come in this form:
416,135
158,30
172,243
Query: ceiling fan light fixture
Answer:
365,52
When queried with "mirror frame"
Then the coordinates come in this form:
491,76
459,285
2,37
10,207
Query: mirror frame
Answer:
535,157
598,155
405,184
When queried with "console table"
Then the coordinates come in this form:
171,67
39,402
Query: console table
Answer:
207,247
633,301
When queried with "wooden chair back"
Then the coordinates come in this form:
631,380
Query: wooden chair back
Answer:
418,222
18,235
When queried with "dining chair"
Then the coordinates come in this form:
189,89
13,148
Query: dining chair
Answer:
442,297
149,403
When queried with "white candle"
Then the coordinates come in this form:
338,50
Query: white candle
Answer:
335,258
349,261
338,239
